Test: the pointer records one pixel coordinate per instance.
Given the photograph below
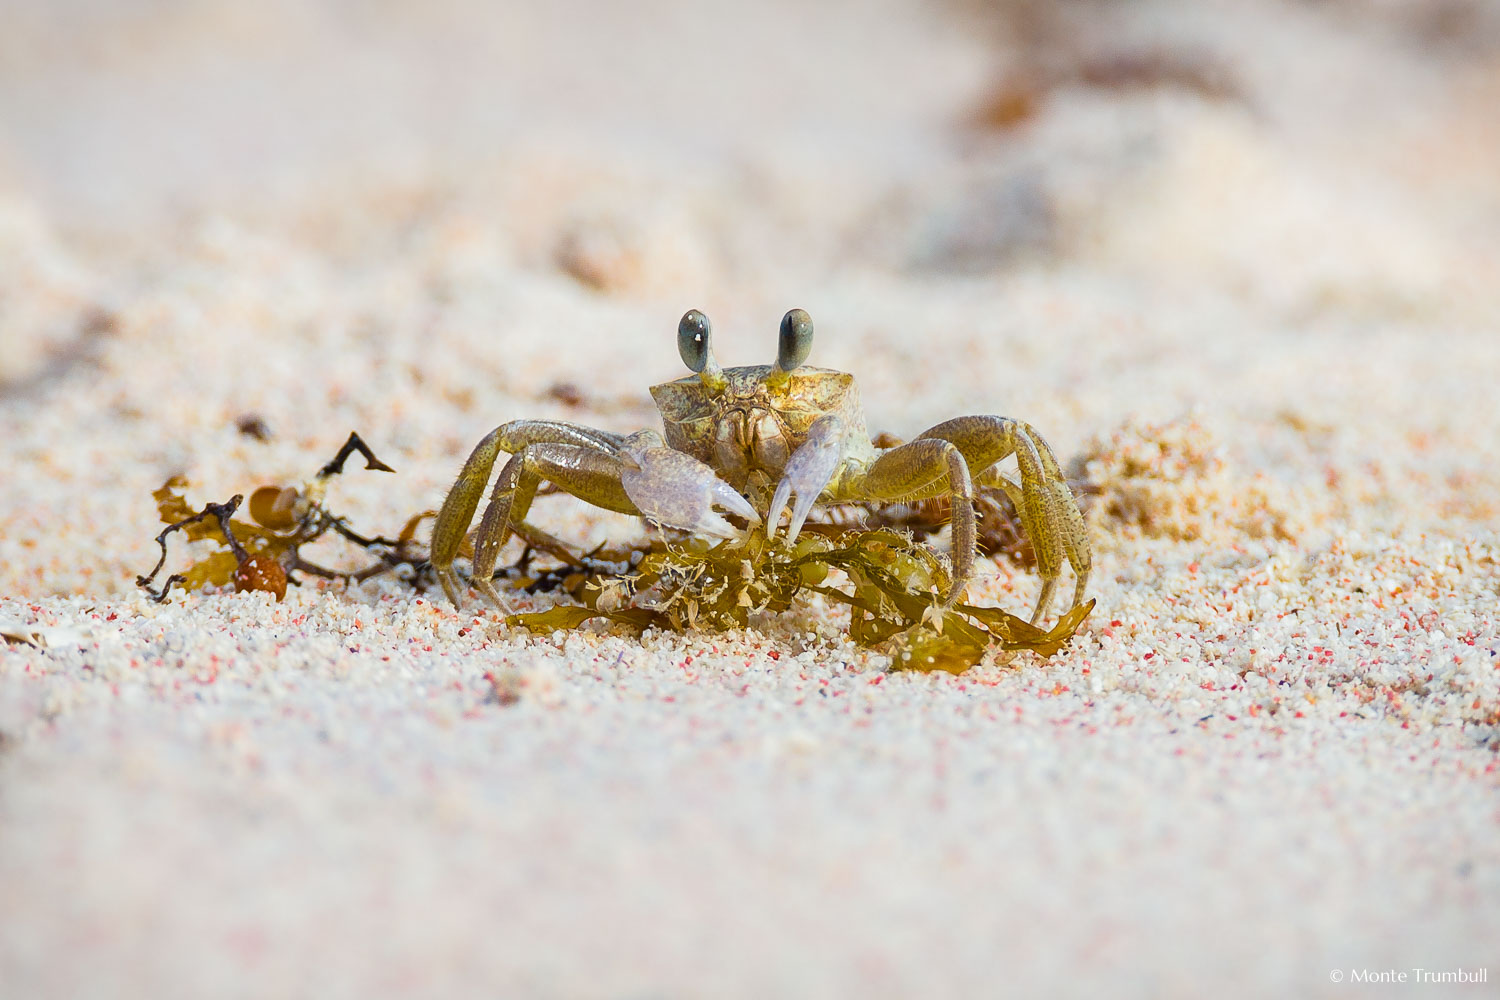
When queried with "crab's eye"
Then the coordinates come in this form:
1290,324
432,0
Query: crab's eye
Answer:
796,340
692,340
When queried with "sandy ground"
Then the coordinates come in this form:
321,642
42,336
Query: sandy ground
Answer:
1240,263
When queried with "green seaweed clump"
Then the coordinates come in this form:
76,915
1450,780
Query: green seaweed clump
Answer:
892,598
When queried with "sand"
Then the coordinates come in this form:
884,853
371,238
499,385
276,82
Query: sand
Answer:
1239,264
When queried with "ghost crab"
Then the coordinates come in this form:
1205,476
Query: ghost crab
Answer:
750,440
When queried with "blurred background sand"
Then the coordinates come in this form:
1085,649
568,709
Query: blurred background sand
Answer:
1239,262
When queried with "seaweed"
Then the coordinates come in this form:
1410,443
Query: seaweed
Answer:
263,553
894,581
669,580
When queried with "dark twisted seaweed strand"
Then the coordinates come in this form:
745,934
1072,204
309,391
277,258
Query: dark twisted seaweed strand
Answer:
355,443
222,512
314,523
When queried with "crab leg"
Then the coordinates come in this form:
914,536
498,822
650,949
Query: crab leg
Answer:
584,472
1043,501
463,499
635,475
645,478
920,468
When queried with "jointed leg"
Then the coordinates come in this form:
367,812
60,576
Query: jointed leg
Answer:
644,478
585,472
1048,512
635,475
463,499
922,468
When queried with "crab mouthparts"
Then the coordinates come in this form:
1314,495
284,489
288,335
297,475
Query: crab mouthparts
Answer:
758,438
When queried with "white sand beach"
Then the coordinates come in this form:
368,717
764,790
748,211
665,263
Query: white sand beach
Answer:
1239,263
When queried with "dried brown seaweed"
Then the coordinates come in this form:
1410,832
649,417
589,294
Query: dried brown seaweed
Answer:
263,553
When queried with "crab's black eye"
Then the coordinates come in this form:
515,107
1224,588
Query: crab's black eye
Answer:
692,340
796,340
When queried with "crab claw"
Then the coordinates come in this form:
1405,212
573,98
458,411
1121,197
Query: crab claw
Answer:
676,489
807,473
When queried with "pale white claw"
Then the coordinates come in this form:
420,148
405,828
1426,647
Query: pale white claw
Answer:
778,504
711,524
804,506
807,474
676,489
729,498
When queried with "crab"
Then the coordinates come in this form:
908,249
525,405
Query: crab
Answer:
756,441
